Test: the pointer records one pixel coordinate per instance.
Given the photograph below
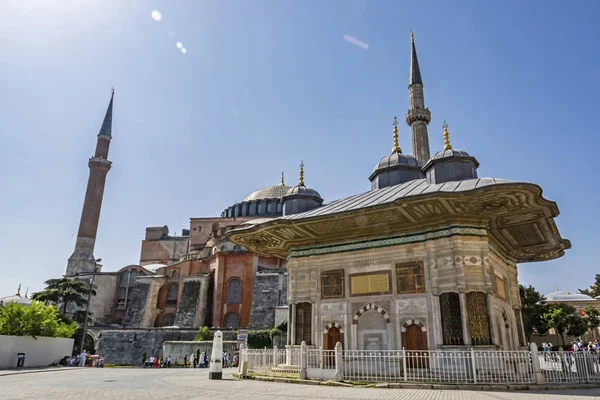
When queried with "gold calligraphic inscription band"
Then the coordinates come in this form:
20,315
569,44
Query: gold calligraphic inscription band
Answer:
372,283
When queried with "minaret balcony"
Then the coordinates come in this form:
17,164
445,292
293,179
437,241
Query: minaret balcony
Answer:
99,162
418,114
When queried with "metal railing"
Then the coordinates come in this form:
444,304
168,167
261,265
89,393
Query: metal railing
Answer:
427,366
570,367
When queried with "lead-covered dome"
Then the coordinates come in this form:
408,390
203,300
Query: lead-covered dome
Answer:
566,296
301,198
270,192
396,168
450,165
267,202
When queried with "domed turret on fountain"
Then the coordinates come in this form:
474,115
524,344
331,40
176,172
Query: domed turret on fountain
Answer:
450,164
301,198
396,168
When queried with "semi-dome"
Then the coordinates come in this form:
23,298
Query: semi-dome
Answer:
270,192
566,296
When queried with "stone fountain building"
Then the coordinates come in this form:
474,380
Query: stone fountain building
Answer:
427,259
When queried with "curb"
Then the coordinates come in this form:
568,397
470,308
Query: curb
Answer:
35,371
435,386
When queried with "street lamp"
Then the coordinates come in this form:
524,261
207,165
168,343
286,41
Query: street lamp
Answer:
89,299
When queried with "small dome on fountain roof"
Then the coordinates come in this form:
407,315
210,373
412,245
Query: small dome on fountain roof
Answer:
17,298
566,296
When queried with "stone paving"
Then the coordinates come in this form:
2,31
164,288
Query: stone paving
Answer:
186,384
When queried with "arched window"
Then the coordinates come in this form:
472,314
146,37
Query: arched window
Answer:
232,320
223,249
214,250
169,320
234,291
237,247
174,274
172,293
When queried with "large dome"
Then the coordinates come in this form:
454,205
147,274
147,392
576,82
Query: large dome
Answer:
566,296
15,299
271,192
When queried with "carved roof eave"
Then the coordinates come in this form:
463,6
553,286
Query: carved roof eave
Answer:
519,219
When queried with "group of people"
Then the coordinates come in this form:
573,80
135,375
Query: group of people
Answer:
81,360
194,361
576,345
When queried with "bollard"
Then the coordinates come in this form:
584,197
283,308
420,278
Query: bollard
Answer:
535,361
303,360
216,363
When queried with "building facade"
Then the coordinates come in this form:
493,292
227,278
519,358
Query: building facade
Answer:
427,259
184,281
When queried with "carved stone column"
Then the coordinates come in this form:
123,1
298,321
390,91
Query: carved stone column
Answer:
465,318
293,333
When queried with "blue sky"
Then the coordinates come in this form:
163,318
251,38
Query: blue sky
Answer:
265,84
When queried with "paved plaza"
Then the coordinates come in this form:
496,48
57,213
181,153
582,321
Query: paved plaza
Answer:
185,384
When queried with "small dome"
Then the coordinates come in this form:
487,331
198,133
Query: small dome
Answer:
271,192
561,295
450,153
303,190
396,159
15,299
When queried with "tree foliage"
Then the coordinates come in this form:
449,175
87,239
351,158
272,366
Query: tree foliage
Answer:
594,289
262,338
34,320
592,315
203,334
533,310
565,319
64,291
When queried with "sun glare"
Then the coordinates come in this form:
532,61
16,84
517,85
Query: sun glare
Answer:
156,15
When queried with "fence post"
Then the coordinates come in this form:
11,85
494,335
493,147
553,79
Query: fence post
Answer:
274,356
265,359
303,360
535,360
473,366
321,358
404,372
339,365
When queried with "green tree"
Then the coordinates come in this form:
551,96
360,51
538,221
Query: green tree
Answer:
565,319
592,315
34,320
203,334
594,289
64,291
533,310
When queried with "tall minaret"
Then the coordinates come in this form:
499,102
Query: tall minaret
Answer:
82,259
417,117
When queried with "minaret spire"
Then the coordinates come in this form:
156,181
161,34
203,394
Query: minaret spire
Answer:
415,71
282,179
417,117
82,259
19,290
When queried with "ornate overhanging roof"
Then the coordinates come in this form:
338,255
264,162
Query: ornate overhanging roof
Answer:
517,218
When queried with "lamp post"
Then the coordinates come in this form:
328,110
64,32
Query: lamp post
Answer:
89,299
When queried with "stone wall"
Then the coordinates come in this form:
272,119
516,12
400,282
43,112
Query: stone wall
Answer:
137,304
127,346
186,311
270,291
177,350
